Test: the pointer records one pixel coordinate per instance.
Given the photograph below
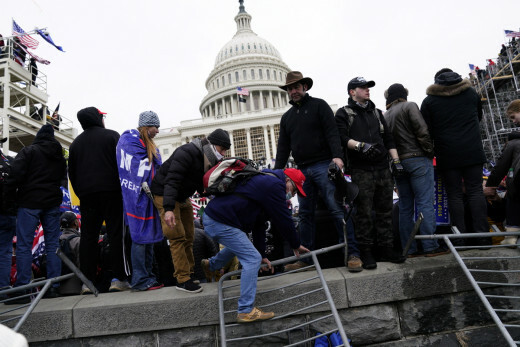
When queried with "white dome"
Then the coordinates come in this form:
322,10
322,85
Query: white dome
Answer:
246,43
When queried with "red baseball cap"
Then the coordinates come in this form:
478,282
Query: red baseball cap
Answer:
297,177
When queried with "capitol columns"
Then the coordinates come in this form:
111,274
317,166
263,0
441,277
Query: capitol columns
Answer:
261,101
233,105
266,141
273,140
249,148
270,100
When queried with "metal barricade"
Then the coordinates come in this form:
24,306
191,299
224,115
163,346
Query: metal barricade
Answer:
504,282
305,301
13,314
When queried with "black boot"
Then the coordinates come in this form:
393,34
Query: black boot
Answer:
369,262
391,255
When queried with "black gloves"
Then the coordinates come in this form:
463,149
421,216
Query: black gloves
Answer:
397,168
368,150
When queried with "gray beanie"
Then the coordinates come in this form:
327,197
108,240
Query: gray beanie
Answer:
149,119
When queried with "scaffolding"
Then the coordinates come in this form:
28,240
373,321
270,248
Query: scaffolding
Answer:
23,102
497,88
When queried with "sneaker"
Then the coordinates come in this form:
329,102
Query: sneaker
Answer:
354,264
368,260
391,255
192,277
189,287
295,266
510,241
118,286
437,251
85,290
155,285
254,315
204,264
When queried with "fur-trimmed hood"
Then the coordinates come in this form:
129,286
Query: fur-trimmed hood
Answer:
454,89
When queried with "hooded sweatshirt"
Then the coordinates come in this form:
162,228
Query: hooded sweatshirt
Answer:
37,172
92,156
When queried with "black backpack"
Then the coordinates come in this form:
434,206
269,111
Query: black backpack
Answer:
67,250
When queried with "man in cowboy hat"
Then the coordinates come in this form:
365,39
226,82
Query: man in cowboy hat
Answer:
308,130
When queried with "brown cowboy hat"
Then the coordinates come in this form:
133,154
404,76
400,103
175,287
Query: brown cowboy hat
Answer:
295,77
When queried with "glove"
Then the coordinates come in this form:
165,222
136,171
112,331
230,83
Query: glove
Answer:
369,151
332,171
397,168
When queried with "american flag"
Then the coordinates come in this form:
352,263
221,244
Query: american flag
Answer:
196,207
38,59
24,38
510,33
242,91
38,247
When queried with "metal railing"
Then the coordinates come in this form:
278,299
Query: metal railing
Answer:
505,280
307,300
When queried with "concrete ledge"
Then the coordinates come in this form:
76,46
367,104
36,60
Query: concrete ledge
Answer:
396,301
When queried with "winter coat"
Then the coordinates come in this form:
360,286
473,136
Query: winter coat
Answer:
308,130
92,158
366,128
452,113
409,130
6,163
181,175
509,159
36,174
262,197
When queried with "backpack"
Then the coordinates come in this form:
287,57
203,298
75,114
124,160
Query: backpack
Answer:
224,177
351,114
65,248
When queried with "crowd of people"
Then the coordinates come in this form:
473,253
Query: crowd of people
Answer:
143,204
507,52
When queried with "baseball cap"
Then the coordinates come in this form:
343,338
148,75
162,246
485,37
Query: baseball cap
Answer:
67,218
297,177
360,82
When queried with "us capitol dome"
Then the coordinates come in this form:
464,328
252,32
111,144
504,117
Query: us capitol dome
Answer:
251,63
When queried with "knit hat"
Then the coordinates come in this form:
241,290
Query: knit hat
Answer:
395,92
149,119
298,179
220,137
448,78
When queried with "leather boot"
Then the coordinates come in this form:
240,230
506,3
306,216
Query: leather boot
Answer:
369,262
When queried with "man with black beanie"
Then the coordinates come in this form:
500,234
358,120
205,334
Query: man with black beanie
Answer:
179,178
94,177
453,110
34,184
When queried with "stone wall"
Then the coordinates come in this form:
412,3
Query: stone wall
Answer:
423,302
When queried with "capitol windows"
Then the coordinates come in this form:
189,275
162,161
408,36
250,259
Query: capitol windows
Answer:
258,143
248,46
244,75
240,143
223,81
268,74
218,84
274,75
260,75
281,79
236,76
252,74
229,78
166,151
255,45
242,46
236,48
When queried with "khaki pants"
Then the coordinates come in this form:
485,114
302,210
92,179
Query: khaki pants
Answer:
181,237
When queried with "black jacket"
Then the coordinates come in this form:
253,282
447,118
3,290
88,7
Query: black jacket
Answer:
6,163
409,130
181,175
92,158
36,174
509,159
365,128
308,130
452,113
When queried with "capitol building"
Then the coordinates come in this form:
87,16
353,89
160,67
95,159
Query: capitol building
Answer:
252,63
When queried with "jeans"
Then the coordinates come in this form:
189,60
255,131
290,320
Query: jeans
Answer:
142,261
237,244
181,237
7,231
470,178
417,188
26,223
317,181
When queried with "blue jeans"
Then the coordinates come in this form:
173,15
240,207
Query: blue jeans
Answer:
142,261
237,244
317,182
417,188
26,223
7,231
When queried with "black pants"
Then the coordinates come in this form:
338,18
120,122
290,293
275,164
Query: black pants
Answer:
96,208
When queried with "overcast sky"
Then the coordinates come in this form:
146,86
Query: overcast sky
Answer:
125,57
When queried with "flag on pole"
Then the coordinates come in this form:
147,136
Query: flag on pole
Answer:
472,68
38,59
510,33
47,37
57,107
241,99
24,38
242,91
